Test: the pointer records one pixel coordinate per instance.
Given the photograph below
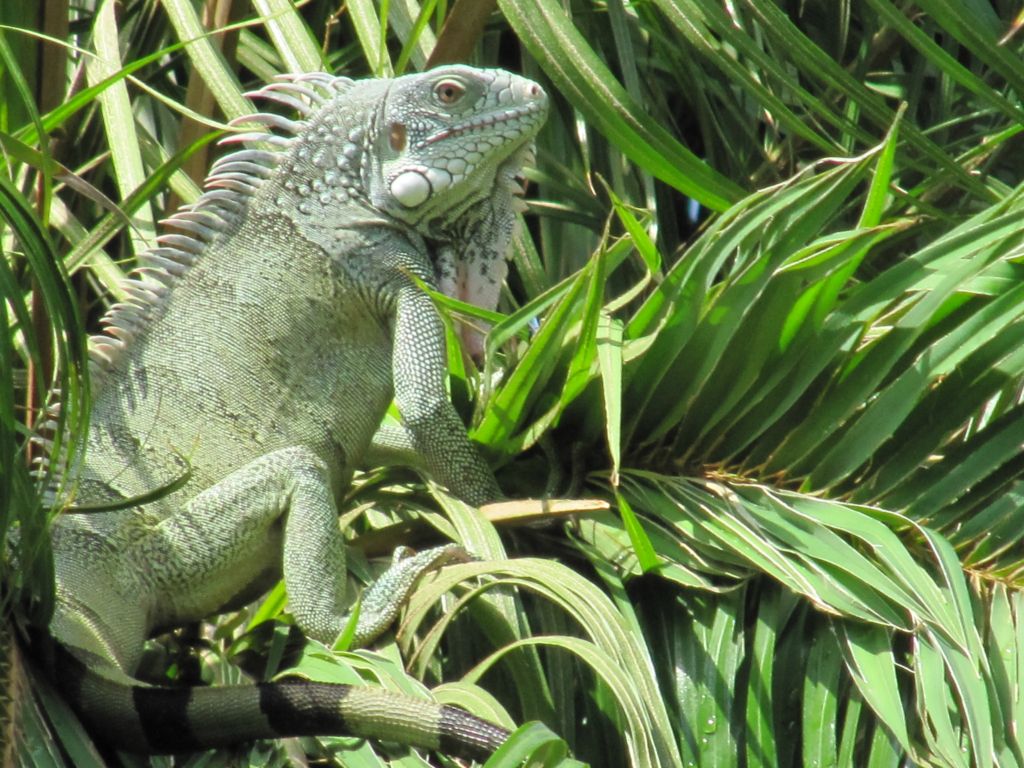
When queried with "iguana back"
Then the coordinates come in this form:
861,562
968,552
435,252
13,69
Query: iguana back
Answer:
249,372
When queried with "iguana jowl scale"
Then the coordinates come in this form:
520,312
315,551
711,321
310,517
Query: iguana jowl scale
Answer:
256,355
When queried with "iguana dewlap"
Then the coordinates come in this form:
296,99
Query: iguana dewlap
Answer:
255,358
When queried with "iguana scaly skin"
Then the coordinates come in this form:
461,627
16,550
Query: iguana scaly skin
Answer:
248,373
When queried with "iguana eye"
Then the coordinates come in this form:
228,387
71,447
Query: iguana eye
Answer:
448,91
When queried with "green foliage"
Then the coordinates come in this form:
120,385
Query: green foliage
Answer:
776,264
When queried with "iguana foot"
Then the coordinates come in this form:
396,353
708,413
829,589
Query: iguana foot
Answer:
383,599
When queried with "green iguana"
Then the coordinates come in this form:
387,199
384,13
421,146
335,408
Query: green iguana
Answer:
260,348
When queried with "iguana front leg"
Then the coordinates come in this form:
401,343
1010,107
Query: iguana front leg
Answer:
285,495
215,551
437,434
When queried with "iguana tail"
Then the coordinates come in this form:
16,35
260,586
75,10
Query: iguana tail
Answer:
157,720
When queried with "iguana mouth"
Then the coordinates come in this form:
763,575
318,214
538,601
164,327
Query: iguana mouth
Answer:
485,121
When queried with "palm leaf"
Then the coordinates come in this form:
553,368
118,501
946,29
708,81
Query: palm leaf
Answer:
803,406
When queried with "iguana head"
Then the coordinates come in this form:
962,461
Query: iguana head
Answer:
450,144
437,151
443,137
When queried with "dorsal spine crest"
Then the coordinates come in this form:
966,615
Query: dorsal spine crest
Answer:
228,189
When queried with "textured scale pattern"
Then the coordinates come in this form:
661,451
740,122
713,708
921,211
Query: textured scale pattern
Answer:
247,374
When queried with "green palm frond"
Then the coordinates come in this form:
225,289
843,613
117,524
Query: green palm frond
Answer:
766,306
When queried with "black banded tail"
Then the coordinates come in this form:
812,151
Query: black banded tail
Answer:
159,720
